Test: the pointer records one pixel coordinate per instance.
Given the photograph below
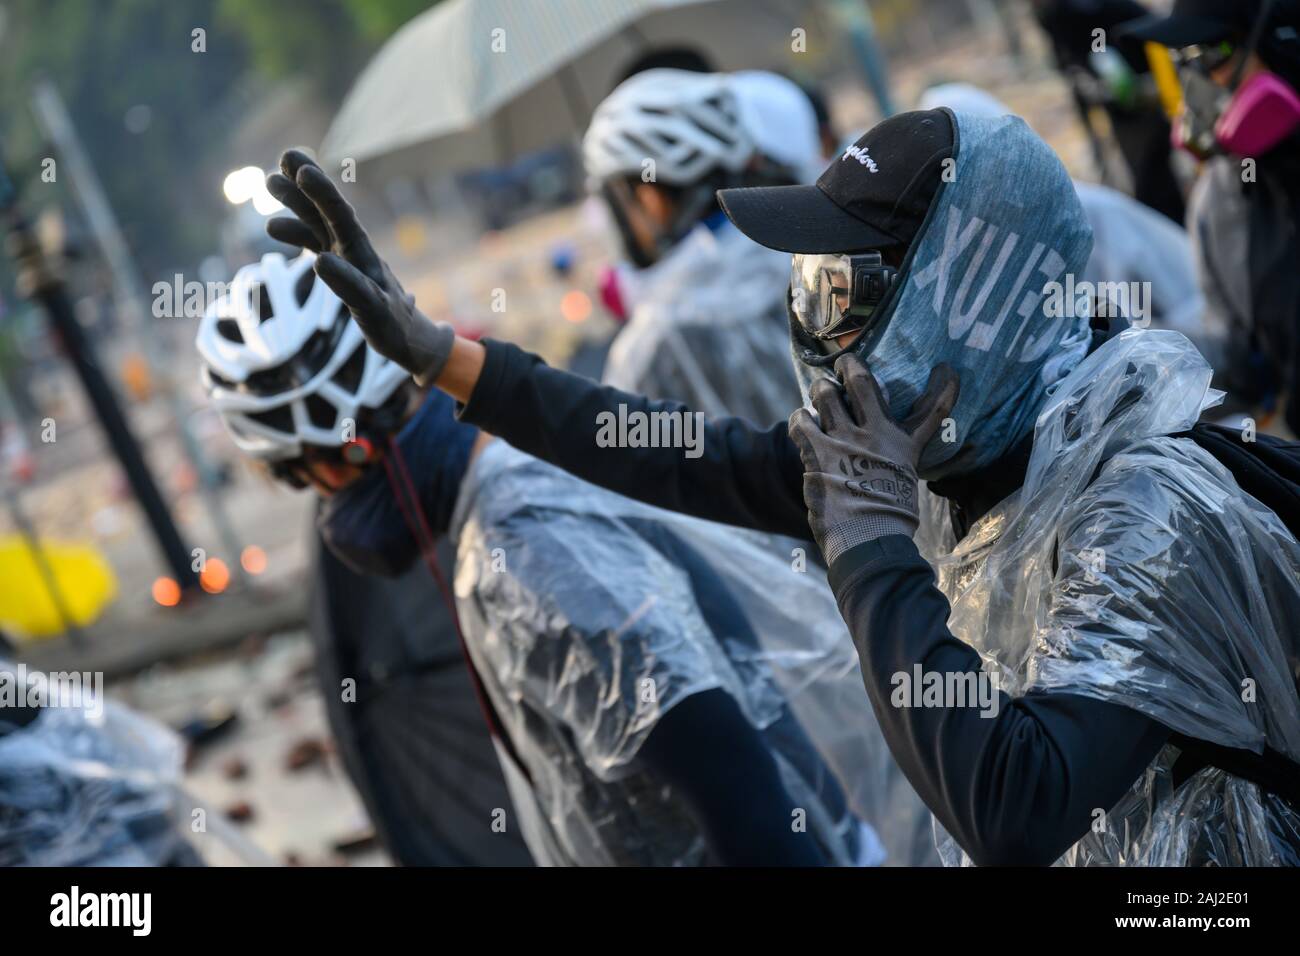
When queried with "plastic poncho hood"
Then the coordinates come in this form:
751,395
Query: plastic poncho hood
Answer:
708,329
975,290
1131,568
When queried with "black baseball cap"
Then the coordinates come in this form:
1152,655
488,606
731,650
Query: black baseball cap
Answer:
1196,22
875,194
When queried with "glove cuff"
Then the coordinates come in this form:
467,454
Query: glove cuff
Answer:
430,346
862,528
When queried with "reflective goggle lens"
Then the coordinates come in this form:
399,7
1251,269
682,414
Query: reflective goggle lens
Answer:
819,290
821,295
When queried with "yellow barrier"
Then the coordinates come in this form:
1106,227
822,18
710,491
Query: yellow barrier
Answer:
27,609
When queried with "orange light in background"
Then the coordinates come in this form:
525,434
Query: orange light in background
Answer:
575,306
136,376
412,237
253,559
215,576
166,592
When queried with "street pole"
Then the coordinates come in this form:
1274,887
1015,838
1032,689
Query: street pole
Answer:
57,124
38,278
856,14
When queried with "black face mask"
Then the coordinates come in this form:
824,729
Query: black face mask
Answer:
632,249
375,524
693,204
362,525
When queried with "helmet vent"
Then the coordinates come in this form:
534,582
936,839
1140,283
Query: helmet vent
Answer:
214,379
281,419
228,329
302,288
349,375
259,299
320,412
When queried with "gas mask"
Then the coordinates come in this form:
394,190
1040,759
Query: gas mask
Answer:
1245,119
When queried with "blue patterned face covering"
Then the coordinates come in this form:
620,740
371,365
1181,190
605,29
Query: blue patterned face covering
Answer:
977,290
364,525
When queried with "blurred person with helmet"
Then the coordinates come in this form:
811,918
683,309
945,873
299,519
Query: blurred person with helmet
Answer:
618,652
302,395
703,301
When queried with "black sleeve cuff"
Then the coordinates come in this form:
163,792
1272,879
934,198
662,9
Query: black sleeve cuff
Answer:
491,391
892,551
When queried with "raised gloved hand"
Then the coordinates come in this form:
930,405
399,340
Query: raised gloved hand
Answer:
346,262
859,464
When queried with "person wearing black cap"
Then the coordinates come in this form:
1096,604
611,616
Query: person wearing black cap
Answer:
1240,68
1113,582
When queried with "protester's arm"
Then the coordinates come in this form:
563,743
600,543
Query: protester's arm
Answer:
717,762
730,472
1018,787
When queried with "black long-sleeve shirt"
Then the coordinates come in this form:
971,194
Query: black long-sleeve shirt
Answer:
1016,788
716,761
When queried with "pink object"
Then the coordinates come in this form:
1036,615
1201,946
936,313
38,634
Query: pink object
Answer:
1262,113
611,293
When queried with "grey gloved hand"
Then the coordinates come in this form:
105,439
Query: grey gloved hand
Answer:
346,262
859,464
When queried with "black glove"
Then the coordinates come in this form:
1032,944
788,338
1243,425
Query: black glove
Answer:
348,264
859,464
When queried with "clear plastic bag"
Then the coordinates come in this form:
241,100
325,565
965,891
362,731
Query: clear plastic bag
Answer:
90,786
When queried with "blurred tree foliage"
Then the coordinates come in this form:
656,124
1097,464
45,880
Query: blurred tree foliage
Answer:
327,40
105,58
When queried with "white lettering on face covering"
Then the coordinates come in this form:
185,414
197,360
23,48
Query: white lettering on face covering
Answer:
972,291
960,317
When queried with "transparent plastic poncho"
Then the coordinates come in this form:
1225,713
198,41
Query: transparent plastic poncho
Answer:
709,329
1131,568
590,616
90,784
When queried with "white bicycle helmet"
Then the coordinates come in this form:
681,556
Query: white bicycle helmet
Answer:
688,123
284,363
